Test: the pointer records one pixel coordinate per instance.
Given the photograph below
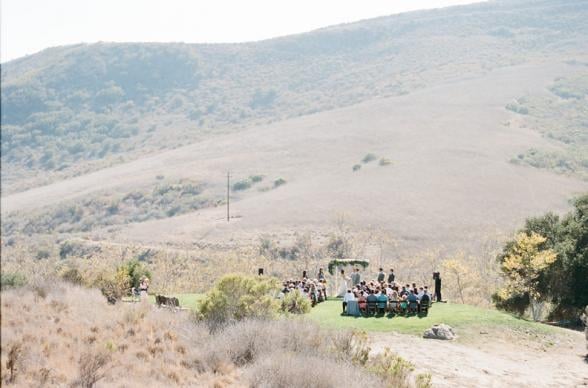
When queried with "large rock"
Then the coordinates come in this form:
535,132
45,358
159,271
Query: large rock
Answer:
441,332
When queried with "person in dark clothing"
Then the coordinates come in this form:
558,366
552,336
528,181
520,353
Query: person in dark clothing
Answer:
437,278
381,276
391,276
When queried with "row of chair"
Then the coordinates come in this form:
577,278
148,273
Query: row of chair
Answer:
372,308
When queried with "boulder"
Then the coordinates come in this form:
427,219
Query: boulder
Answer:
441,332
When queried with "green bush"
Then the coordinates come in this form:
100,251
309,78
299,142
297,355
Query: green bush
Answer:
279,182
295,303
385,162
43,254
256,178
369,158
135,271
11,280
242,185
356,167
236,297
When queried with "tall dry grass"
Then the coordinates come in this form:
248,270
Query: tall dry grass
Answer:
58,334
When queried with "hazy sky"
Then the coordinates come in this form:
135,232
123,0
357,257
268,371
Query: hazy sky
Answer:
28,26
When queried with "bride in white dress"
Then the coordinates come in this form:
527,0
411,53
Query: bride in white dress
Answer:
344,284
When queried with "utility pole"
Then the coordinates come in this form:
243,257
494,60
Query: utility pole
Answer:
228,191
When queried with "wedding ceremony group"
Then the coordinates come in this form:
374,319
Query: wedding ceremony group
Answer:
376,296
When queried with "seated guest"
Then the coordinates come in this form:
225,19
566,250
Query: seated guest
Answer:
393,297
372,298
362,302
403,292
412,297
421,293
426,298
346,298
382,301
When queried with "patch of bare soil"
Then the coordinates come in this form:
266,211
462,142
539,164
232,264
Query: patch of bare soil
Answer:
492,362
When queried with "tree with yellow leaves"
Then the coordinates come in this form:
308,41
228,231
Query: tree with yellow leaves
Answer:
522,265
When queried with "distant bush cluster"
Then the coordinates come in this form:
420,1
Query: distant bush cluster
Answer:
570,162
245,184
370,157
517,107
163,200
562,117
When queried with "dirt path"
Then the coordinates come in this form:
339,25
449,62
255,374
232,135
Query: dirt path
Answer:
491,364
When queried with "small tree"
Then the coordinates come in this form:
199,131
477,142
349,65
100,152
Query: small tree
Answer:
237,297
459,274
522,265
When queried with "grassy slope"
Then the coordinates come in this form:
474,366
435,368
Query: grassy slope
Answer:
459,316
456,315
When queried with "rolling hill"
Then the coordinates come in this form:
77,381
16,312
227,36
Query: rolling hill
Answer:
450,102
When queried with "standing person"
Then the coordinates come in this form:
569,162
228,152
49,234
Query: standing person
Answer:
355,277
391,276
144,288
381,276
343,287
321,275
437,278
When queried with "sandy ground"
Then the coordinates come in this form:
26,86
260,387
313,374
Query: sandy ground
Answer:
492,363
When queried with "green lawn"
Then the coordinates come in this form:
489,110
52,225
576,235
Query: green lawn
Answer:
328,314
466,318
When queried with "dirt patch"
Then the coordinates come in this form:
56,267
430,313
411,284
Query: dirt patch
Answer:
492,362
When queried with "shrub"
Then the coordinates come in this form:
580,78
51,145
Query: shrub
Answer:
350,346
356,167
135,271
256,178
279,182
72,275
11,280
385,162
369,158
395,370
268,248
295,303
236,297
42,254
91,368
119,284
242,185
12,361
517,108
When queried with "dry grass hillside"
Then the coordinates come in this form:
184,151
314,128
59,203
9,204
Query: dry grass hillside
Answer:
441,176
84,342
75,109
